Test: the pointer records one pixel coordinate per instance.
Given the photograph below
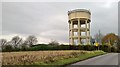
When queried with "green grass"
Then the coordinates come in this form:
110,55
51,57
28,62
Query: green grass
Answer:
65,62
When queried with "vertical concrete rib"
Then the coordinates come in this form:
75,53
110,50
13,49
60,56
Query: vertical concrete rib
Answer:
89,32
69,31
79,42
86,34
72,33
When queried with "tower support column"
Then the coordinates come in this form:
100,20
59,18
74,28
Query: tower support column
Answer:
72,33
79,32
89,33
86,32
69,31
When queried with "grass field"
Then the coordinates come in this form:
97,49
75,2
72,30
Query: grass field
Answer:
62,57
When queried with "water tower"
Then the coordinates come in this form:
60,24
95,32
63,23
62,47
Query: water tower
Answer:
79,26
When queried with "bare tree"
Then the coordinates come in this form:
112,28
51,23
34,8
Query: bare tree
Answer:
31,40
98,37
16,41
53,43
3,43
92,40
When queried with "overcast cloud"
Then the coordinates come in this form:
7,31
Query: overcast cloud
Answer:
49,21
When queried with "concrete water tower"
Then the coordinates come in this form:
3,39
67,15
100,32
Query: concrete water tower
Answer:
79,26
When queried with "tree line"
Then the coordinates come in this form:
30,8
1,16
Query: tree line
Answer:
17,43
109,42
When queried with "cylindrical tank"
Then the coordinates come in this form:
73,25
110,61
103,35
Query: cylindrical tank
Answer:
79,13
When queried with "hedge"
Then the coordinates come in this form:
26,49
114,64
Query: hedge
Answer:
39,47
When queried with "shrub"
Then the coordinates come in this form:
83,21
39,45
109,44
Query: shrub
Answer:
113,49
8,48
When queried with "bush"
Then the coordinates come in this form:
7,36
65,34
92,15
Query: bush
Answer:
8,48
113,49
105,48
24,48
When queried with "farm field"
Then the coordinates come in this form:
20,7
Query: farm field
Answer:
60,57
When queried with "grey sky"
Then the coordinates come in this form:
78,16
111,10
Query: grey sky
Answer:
50,20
